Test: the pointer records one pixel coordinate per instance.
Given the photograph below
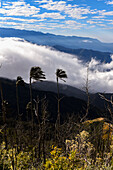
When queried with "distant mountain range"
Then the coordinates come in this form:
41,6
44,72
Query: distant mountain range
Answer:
86,55
84,47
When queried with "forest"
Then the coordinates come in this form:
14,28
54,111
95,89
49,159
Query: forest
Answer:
37,134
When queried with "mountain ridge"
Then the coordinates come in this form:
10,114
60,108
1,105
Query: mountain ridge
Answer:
41,33
65,90
85,54
61,40
68,105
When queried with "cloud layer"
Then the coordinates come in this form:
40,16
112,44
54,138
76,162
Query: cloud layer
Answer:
18,56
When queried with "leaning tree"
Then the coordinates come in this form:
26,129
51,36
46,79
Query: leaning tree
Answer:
60,74
37,74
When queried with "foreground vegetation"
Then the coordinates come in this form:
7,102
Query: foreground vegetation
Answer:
38,143
87,150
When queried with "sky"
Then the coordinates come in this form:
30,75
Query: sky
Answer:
13,54
89,18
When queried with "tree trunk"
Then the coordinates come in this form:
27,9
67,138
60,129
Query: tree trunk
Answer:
58,105
17,98
31,100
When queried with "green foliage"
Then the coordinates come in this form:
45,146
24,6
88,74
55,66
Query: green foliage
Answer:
80,154
11,159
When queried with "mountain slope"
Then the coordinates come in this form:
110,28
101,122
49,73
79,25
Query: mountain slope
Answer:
68,105
72,42
86,55
63,88
70,91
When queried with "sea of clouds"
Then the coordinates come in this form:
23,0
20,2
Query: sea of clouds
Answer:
17,56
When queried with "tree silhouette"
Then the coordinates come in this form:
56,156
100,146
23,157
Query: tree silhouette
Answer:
36,73
20,82
60,74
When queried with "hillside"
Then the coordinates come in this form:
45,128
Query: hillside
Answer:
68,105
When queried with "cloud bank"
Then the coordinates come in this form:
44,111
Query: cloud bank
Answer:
18,56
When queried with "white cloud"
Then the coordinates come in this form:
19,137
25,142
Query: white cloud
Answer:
57,5
19,8
18,19
73,11
110,2
73,24
94,22
27,26
43,1
98,17
106,13
102,25
17,57
8,23
77,12
53,15
89,41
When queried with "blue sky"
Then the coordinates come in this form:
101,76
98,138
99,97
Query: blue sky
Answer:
92,18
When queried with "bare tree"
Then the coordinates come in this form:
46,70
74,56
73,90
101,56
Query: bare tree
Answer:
41,125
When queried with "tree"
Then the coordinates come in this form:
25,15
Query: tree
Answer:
36,73
19,81
60,74
87,87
